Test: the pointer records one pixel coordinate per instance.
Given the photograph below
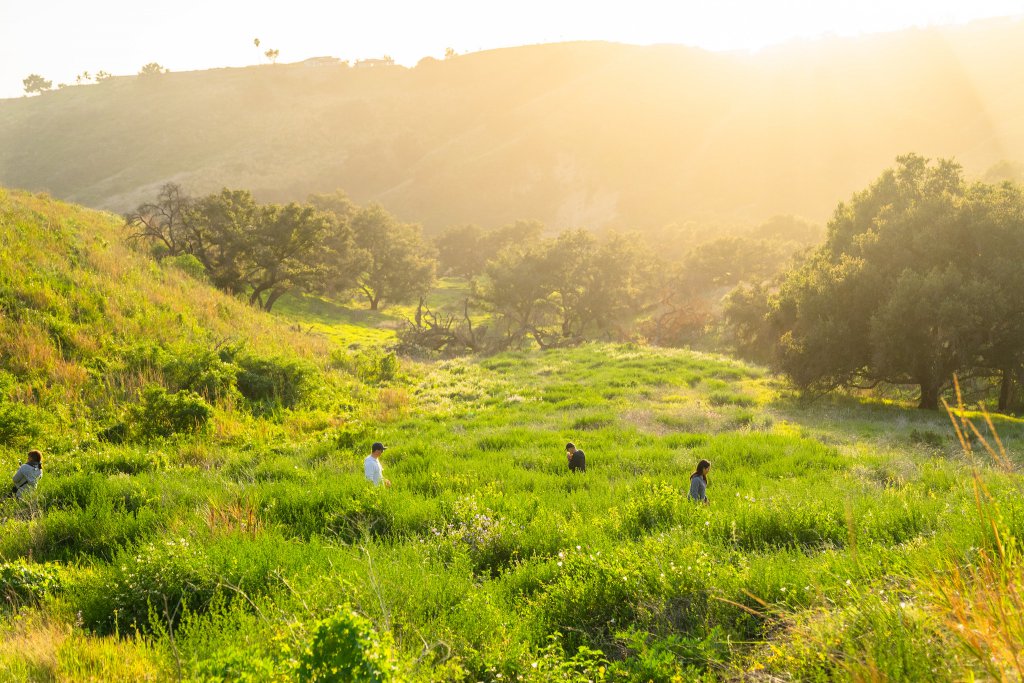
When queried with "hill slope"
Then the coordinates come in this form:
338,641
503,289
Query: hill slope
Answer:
585,133
86,323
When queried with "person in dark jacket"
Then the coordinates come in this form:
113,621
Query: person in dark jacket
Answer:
699,483
577,459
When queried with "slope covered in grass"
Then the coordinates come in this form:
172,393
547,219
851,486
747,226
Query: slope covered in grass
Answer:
86,324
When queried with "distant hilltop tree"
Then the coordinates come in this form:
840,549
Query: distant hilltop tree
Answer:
34,83
256,42
152,69
272,55
103,76
450,53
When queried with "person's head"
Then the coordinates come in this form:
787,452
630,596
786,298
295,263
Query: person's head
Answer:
35,457
570,447
702,469
377,449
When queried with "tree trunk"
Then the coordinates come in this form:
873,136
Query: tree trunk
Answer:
272,298
1009,391
373,302
929,396
256,298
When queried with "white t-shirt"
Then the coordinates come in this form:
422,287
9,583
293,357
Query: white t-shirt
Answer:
373,471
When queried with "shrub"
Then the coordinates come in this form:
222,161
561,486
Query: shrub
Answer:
371,365
345,647
17,423
202,371
162,414
157,581
189,264
23,583
274,381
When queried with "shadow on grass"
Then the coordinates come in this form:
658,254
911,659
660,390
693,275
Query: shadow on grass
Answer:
839,418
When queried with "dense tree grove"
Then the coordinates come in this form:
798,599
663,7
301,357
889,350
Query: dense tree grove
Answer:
919,279
263,251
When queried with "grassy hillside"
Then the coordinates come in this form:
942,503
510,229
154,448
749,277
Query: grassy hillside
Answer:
843,540
571,134
86,324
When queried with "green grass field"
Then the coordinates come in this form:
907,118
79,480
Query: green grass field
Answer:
845,539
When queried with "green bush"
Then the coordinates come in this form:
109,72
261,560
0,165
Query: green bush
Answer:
278,381
188,264
162,414
371,365
18,423
345,647
156,582
201,371
22,583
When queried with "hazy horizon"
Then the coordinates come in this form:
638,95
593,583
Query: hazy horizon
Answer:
59,40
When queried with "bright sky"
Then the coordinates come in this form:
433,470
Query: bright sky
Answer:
61,38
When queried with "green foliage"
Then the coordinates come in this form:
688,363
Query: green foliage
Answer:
395,264
345,647
372,365
22,583
568,289
201,371
162,414
652,506
277,381
188,263
146,586
922,263
19,424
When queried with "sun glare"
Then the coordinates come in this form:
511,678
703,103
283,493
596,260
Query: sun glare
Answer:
119,36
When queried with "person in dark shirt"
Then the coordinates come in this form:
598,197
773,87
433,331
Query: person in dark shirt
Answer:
577,459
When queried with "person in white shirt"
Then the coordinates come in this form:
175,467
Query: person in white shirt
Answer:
371,466
28,474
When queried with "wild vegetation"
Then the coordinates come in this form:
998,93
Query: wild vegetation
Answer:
203,515
918,280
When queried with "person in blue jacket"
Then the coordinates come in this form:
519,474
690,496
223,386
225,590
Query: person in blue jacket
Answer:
699,483
27,475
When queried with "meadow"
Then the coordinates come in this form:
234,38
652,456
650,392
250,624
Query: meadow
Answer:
846,538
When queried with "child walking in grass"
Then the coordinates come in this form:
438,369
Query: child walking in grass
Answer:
699,483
